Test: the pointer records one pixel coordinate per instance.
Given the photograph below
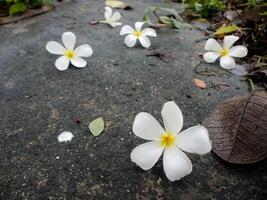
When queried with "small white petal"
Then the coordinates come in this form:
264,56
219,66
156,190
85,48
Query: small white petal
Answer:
238,51
115,17
211,56
227,62
126,29
55,48
147,127
69,40
194,140
62,63
146,155
229,40
138,25
176,164
84,50
78,62
149,32
213,45
130,40
65,136
172,117
145,42
108,13
114,24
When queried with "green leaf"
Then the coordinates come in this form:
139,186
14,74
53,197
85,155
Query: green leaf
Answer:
18,7
36,3
174,23
263,13
151,9
226,29
169,10
96,127
180,25
166,20
47,2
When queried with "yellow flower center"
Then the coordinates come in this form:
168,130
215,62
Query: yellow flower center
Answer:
137,34
69,54
224,52
167,139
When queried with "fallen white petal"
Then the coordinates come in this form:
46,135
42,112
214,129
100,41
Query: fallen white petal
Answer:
115,17
172,117
145,42
65,136
238,51
62,63
213,45
130,40
149,32
176,164
114,24
69,40
126,29
84,50
229,40
211,56
227,62
108,13
147,127
194,140
55,48
146,155
138,25
78,62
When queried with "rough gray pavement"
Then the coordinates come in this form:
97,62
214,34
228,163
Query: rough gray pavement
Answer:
38,102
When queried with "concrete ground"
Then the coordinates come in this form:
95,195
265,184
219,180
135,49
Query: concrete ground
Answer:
38,102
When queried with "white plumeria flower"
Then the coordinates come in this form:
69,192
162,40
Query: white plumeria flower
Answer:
137,34
169,140
226,52
68,53
110,18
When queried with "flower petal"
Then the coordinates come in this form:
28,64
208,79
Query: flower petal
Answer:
108,13
114,24
69,40
130,40
146,155
78,62
126,29
238,51
115,17
176,164
213,45
145,42
229,40
149,32
227,62
84,50
211,56
62,63
138,25
194,140
172,117
55,48
147,127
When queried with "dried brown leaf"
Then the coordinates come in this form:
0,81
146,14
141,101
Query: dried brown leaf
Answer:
238,128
